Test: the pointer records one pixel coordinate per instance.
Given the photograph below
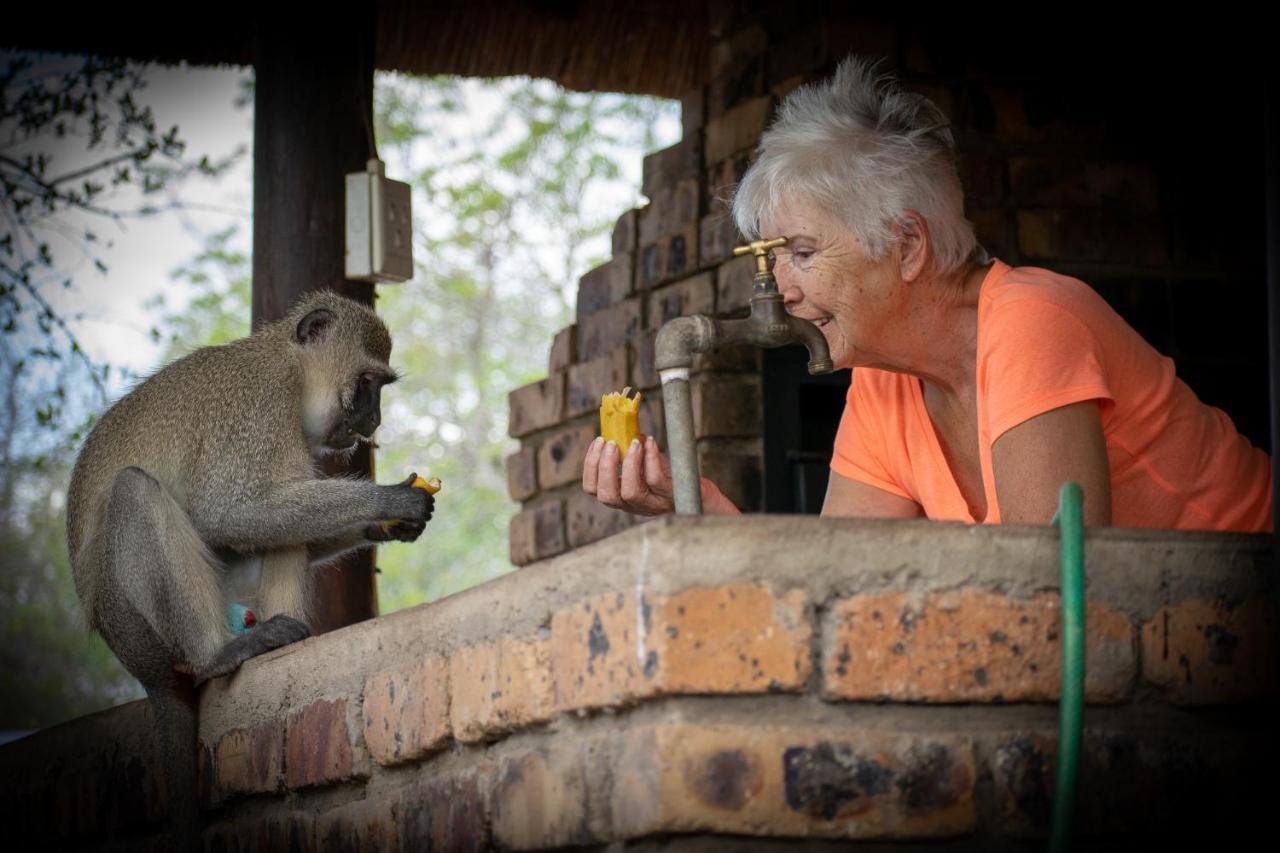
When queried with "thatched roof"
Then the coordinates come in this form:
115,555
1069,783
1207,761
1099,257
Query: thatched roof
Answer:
655,48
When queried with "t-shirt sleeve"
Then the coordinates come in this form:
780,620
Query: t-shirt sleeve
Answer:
860,453
1038,356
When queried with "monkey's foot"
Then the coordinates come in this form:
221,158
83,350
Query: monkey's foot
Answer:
277,631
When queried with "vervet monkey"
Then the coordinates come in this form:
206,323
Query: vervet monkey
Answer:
210,462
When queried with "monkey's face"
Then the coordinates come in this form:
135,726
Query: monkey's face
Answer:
343,387
359,410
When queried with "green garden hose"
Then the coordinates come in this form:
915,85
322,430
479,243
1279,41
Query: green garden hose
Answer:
1070,521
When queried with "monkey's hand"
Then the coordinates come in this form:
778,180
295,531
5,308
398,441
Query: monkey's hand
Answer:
395,531
406,526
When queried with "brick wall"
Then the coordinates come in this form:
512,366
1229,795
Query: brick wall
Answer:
777,678
1102,170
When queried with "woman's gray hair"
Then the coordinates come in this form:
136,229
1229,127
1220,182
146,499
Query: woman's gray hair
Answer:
865,152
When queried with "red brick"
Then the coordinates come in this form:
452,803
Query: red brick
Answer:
733,284
283,831
624,232
249,760
737,129
643,374
447,812
734,639
406,712
589,520
604,330
367,825
1201,652
722,181
695,295
537,533
522,474
535,406
672,208
499,687
318,745
606,285
613,649
718,235
739,358
653,418
806,781
560,457
672,257
590,380
594,653
521,538
745,779
969,646
726,405
669,166
563,350
541,798
738,475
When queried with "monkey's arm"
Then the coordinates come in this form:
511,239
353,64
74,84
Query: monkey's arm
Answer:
327,550
305,512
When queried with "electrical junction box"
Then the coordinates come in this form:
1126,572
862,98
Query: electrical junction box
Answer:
379,227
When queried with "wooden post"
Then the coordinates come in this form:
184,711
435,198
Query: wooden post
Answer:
313,118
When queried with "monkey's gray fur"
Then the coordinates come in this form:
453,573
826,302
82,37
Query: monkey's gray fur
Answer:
212,461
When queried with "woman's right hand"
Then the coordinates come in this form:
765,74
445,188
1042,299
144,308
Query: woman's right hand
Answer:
642,485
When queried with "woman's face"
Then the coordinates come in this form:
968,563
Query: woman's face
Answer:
825,277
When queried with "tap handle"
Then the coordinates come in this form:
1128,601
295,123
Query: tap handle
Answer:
761,248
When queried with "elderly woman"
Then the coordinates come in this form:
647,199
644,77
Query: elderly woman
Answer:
978,388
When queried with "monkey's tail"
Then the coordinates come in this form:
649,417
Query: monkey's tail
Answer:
174,709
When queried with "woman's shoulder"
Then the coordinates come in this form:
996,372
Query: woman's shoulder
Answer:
1007,289
1010,292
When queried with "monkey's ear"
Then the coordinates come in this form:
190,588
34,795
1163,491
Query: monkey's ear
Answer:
313,327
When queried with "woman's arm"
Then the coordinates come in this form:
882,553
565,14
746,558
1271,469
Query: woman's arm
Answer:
1032,460
849,498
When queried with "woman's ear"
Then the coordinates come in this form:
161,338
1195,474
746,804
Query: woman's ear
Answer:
914,245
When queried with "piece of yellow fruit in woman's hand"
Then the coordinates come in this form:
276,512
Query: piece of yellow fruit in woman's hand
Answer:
620,419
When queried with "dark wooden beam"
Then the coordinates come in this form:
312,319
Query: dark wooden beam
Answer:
313,110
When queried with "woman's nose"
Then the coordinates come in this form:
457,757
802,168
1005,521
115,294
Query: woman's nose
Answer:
791,294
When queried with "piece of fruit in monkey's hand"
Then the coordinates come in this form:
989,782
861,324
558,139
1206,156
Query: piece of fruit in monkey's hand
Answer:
431,487
620,419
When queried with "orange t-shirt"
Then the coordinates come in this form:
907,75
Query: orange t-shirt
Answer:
1046,341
